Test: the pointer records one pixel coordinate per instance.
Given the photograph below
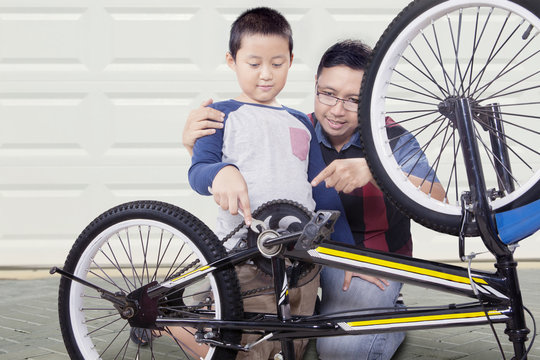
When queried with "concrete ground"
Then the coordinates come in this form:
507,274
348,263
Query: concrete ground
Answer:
29,323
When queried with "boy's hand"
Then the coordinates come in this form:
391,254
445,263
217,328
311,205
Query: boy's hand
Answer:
201,122
230,192
345,175
380,283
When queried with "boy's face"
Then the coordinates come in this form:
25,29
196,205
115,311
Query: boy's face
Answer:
338,123
261,67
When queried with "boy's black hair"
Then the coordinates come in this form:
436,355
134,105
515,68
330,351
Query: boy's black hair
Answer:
351,53
260,20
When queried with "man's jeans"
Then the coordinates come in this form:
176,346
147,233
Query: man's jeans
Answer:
360,295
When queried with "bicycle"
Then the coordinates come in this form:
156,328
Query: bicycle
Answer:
156,266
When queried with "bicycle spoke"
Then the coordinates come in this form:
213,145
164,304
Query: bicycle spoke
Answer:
503,71
429,77
101,317
476,42
158,262
423,149
144,247
437,160
181,344
490,56
105,325
108,279
171,271
130,258
416,92
439,59
498,94
411,101
520,104
165,251
113,340
487,112
116,264
118,268
457,67
125,348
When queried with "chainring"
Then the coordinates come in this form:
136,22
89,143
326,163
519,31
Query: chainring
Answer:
285,217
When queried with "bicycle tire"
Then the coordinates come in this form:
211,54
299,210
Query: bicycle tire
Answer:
130,246
438,49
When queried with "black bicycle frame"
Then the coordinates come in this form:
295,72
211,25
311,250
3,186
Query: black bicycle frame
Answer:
497,295
491,288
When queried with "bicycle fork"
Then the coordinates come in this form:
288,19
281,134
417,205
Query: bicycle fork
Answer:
516,328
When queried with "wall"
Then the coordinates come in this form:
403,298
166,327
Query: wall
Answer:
93,98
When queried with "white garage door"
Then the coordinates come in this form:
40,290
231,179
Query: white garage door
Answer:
93,97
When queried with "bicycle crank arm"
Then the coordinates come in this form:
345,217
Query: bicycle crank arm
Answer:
105,294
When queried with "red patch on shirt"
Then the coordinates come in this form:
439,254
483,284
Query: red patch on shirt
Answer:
299,142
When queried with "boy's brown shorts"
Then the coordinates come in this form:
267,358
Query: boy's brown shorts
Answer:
302,301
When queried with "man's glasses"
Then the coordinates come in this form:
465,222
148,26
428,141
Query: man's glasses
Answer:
331,100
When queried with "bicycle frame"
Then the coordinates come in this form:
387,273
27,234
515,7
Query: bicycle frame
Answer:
492,290
498,294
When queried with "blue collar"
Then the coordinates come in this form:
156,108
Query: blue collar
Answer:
323,138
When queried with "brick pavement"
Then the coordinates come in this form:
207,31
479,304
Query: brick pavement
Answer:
29,325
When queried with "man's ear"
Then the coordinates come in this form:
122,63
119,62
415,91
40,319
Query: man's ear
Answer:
230,60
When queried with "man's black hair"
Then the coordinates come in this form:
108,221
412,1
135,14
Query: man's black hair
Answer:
351,53
261,20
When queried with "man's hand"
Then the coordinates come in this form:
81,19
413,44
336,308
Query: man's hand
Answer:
372,279
230,192
201,122
345,175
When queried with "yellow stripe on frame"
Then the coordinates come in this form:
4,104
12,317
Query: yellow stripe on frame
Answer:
423,318
395,265
191,272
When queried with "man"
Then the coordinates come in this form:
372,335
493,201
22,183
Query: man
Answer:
375,222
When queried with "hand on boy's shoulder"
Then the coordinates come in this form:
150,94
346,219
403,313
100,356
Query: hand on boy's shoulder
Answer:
230,192
201,122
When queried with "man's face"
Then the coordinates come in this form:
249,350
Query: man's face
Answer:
338,123
261,65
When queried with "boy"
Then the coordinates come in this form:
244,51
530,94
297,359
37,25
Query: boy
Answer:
383,227
265,151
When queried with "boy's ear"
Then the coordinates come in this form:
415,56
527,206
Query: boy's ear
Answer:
292,57
230,60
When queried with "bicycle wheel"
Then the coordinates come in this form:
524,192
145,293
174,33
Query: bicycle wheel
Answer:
130,246
433,54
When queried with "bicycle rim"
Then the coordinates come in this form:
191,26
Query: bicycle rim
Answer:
486,51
